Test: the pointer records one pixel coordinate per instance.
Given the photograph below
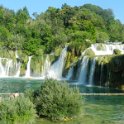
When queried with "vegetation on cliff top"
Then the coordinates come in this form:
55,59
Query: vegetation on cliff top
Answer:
55,27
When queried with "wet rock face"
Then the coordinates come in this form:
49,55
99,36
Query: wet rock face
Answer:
117,64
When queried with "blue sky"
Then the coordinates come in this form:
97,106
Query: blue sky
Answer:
41,5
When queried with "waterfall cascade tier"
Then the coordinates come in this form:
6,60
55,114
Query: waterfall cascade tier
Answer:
28,71
8,67
87,70
93,71
107,49
56,69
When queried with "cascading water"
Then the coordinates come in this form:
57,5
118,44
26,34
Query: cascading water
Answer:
56,69
2,73
5,65
28,71
107,49
18,65
92,70
83,72
46,67
8,65
101,73
70,73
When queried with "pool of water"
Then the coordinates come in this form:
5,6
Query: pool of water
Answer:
8,85
98,110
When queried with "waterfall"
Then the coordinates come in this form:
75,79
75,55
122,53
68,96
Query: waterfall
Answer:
46,67
5,65
107,49
56,68
2,72
16,54
92,70
83,72
70,73
18,66
28,71
101,74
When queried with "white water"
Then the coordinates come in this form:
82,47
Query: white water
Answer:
28,71
18,66
16,54
2,72
107,49
70,73
56,68
84,69
101,74
46,67
5,65
92,70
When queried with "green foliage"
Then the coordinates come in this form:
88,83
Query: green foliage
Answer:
101,37
31,46
56,27
56,100
16,110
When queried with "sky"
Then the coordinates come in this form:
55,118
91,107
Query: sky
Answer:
41,5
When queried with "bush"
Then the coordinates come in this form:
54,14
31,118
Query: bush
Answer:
17,110
57,101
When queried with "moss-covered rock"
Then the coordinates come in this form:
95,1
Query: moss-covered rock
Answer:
104,59
100,47
89,52
117,52
70,59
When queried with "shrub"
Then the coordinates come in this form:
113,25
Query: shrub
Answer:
57,101
17,110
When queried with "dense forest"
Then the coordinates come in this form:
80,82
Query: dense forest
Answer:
43,33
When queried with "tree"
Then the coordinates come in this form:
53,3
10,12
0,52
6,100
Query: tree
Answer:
57,101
